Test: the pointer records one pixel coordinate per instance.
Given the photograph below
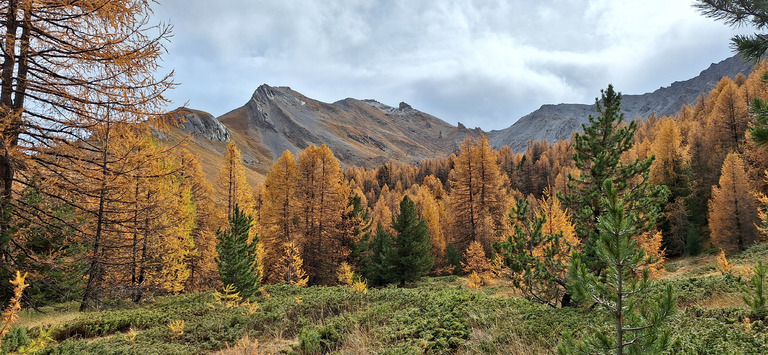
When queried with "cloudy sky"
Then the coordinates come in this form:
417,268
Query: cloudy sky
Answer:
484,63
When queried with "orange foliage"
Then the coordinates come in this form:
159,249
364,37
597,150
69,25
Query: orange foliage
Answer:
295,271
323,200
481,270
733,208
722,263
478,198
651,244
279,214
231,187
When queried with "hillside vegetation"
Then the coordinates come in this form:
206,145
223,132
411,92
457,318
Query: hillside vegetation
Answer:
436,315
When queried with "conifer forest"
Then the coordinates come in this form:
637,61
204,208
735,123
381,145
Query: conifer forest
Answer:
118,236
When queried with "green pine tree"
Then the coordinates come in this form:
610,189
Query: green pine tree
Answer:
237,255
623,291
758,131
756,297
737,14
411,257
540,278
598,156
374,264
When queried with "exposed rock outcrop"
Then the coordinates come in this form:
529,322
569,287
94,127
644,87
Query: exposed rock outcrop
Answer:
201,124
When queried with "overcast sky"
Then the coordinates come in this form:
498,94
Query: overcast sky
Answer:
482,63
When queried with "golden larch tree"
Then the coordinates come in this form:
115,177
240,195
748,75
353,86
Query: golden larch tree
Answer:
323,200
231,187
433,212
728,120
161,220
203,272
650,242
294,270
672,168
480,270
279,214
387,206
733,208
112,179
478,198
557,222
65,63
172,241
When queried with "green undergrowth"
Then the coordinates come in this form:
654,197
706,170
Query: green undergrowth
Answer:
434,316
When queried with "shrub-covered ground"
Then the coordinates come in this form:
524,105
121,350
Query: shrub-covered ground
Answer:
436,315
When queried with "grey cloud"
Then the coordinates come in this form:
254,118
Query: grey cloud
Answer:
484,63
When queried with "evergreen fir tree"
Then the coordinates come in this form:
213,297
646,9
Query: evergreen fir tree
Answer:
411,258
237,255
597,155
376,255
623,291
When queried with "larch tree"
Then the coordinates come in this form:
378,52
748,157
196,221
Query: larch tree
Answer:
201,261
478,196
386,207
102,177
279,214
231,187
171,237
64,64
161,220
294,270
729,119
479,268
598,156
323,200
672,168
733,208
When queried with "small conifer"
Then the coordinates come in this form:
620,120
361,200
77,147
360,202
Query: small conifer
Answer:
237,255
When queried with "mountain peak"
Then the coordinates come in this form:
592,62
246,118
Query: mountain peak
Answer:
554,122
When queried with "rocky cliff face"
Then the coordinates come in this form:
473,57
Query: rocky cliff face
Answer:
201,124
554,122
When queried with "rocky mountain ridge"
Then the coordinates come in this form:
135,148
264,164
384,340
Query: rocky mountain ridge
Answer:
554,122
369,133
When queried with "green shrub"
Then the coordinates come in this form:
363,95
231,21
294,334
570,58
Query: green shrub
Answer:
15,339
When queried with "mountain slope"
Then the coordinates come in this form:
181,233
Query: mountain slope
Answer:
360,132
554,122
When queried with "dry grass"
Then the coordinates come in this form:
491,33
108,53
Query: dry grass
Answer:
246,346
49,316
359,341
701,265
722,300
